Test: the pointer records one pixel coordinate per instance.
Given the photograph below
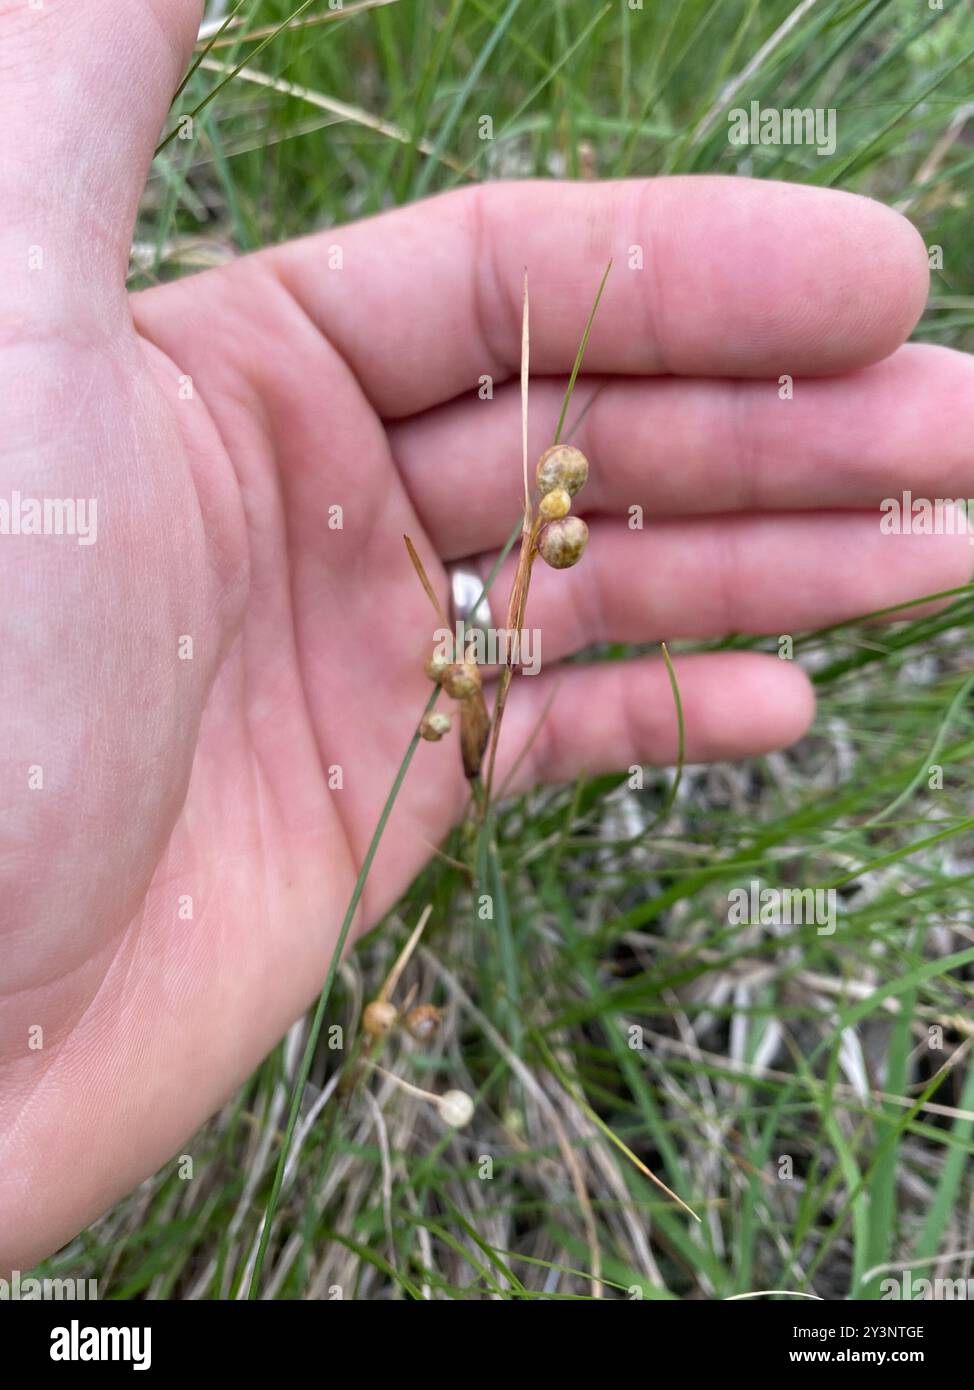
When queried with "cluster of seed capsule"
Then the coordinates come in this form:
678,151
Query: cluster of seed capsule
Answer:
380,1017
461,680
561,473
560,538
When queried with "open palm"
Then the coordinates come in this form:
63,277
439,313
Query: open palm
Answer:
218,691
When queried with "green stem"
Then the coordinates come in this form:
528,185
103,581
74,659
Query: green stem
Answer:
309,1051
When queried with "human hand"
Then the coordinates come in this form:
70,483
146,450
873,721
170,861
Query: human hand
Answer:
206,780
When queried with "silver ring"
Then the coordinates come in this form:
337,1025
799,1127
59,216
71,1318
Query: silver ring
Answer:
466,587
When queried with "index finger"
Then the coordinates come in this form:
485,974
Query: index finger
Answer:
717,276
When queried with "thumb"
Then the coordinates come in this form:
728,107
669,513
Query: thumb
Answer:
84,90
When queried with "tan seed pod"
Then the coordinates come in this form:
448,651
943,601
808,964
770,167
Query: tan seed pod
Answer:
562,543
456,1108
460,679
379,1018
436,665
433,726
422,1022
474,732
555,504
562,466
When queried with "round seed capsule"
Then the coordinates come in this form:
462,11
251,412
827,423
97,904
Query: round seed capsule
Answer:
436,665
562,466
456,1108
422,1022
433,726
555,504
562,543
379,1017
461,679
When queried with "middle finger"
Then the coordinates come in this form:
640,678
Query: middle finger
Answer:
675,446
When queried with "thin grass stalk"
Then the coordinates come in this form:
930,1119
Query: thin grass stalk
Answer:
304,1070
530,526
167,139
